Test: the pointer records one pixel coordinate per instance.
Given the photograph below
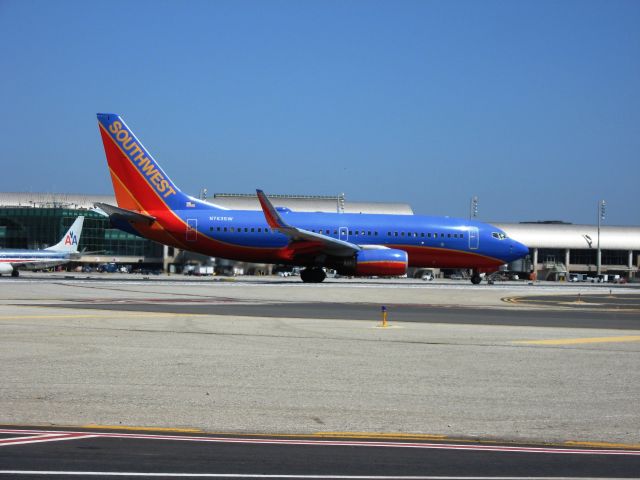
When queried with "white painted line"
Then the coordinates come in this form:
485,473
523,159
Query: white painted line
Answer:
258,475
4,442
336,443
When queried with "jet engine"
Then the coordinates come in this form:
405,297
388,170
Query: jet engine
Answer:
5,268
382,262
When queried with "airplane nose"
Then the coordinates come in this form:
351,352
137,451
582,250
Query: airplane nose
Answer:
519,250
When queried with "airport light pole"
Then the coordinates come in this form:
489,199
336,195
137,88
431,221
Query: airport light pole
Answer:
601,211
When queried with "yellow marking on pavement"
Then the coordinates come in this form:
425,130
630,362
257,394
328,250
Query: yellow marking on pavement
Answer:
142,429
402,436
509,299
630,446
553,301
105,315
372,435
576,341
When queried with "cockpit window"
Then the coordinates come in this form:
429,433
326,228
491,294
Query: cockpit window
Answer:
499,235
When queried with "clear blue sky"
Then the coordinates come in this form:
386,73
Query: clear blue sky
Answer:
532,106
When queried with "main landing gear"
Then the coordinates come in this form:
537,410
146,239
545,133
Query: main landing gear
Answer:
476,278
15,273
312,275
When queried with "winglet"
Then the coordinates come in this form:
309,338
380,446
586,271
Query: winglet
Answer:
300,238
274,220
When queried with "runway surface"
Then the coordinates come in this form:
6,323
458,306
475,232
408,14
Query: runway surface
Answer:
36,453
628,319
629,303
506,365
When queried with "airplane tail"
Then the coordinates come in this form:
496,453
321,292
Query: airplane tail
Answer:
71,239
138,181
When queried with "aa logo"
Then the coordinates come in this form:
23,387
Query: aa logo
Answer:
71,239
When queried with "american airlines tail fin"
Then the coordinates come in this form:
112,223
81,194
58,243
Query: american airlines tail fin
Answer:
71,239
138,181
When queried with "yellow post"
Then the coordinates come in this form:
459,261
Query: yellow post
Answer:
384,316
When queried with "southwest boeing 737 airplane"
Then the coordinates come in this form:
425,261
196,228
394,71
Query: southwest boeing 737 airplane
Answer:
150,205
58,254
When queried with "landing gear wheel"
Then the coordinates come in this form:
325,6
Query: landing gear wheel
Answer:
319,275
312,275
15,273
305,275
476,278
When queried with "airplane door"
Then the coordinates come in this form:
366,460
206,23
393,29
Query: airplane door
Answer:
474,238
192,229
343,233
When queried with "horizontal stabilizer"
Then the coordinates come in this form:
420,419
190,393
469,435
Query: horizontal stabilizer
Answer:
123,214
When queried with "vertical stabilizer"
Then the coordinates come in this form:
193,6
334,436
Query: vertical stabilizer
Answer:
138,181
71,239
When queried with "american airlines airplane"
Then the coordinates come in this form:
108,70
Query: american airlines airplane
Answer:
11,259
150,205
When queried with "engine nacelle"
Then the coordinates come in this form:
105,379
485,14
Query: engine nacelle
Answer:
5,268
379,262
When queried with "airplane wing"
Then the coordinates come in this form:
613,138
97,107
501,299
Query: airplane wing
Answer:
304,242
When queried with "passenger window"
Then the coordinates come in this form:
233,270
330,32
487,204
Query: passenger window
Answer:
218,228
259,230
395,234
232,229
448,235
225,229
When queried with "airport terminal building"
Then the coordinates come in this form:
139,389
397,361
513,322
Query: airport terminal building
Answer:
557,249
38,220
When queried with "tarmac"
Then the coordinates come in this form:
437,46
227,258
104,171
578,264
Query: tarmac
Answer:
74,352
